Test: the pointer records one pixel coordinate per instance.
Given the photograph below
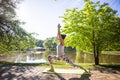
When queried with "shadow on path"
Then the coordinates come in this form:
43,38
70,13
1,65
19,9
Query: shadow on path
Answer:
35,73
59,76
82,77
12,72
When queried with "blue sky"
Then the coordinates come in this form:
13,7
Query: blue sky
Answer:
42,16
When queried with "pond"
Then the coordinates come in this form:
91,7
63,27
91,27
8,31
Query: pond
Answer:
72,55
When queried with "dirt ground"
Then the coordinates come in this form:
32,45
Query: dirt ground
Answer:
35,73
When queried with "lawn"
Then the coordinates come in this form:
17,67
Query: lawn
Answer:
61,65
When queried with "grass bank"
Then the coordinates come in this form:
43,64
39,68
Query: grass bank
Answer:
60,65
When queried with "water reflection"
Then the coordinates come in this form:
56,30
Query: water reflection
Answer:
30,60
103,58
39,58
72,55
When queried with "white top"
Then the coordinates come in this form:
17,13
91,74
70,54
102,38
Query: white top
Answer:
60,50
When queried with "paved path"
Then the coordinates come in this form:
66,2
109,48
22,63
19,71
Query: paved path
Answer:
35,73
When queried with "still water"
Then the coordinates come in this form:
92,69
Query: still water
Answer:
72,55
28,57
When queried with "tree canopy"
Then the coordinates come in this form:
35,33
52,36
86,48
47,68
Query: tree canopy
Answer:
93,28
12,35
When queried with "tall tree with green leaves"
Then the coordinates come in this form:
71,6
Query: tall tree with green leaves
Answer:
93,28
12,35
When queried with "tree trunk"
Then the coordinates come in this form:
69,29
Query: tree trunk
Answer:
96,59
96,54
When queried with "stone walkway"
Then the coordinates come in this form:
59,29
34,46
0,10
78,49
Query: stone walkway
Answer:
35,73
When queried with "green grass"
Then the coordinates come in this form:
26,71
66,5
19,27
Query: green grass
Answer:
60,65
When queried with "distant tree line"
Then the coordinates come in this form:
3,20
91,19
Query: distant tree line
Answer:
50,44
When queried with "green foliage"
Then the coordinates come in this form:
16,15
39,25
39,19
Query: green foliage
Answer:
12,36
94,24
93,28
39,43
50,43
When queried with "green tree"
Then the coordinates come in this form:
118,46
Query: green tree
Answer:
92,28
50,43
12,35
39,43
25,43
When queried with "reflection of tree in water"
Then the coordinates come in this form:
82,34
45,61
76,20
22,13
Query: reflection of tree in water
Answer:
46,53
82,57
78,57
35,56
70,54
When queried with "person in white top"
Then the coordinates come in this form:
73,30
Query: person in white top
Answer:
60,52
